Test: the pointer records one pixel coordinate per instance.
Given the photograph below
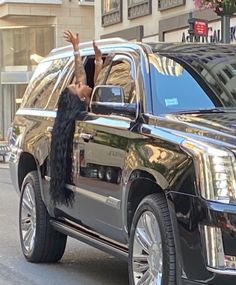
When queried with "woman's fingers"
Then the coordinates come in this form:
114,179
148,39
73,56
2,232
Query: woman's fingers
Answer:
77,37
69,37
95,47
97,51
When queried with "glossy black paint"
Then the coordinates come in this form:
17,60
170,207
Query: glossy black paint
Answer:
116,154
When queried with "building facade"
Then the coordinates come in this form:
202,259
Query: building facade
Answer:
29,29
153,20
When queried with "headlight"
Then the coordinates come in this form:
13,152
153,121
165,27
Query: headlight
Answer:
215,170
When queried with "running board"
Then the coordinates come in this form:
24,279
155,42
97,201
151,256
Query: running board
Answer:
92,239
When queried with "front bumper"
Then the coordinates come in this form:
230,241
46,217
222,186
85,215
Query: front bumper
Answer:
218,235
205,235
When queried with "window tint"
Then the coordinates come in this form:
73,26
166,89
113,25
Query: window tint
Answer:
62,81
175,89
38,93
194,79
121,74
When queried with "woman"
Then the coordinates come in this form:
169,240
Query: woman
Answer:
72,105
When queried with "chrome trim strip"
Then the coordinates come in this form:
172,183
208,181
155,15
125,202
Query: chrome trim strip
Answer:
222,271
90,195
36,112
109,201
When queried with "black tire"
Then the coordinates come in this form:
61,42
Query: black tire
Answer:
111,174
163,260
47,245
102,173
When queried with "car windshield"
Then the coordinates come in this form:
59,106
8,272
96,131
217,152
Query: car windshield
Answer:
185,82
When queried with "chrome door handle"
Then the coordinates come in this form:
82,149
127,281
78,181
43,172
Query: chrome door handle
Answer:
86,137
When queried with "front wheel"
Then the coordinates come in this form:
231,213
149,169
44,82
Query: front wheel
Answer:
152,251
39,241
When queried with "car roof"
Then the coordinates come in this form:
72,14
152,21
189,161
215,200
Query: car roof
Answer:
193,48
155,47
88,45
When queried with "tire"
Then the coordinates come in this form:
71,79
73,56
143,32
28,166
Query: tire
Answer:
111,174
102,173
39,241
154,252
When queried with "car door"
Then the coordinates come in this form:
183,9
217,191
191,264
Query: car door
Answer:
100,148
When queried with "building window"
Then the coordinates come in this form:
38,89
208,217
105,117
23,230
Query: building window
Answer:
139,8
19,44
111,12
167,4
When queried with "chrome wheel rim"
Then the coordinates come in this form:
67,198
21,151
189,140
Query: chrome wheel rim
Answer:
147,259
28,218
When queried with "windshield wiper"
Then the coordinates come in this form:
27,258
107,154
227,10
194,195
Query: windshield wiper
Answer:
205,111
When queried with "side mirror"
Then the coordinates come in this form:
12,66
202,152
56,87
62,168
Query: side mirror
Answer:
108,94
109,99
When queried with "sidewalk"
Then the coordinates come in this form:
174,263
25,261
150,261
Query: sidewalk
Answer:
4,165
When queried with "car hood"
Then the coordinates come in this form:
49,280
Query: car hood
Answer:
215,127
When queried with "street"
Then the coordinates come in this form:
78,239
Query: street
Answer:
80,265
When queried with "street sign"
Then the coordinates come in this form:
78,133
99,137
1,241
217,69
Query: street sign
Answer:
200,27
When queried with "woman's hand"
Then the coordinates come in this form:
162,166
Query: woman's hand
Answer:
98,53
73,39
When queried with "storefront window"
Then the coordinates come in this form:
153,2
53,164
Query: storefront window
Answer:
19,44
20,49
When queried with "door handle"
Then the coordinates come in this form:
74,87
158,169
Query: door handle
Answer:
86,137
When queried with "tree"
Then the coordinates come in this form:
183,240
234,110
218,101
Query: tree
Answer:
225,9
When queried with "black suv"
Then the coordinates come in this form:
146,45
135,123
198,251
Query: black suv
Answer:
154,170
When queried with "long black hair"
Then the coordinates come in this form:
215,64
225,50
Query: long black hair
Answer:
70,108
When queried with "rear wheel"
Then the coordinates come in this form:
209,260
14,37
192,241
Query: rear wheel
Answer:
39,241
152,250
102,172
111,174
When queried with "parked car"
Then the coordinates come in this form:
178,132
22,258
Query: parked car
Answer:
154,171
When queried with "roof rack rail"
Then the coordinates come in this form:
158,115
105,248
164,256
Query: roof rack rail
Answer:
108,41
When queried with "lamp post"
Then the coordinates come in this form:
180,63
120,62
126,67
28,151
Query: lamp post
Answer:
191,26
225,29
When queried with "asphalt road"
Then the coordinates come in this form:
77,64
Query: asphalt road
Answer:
80,265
